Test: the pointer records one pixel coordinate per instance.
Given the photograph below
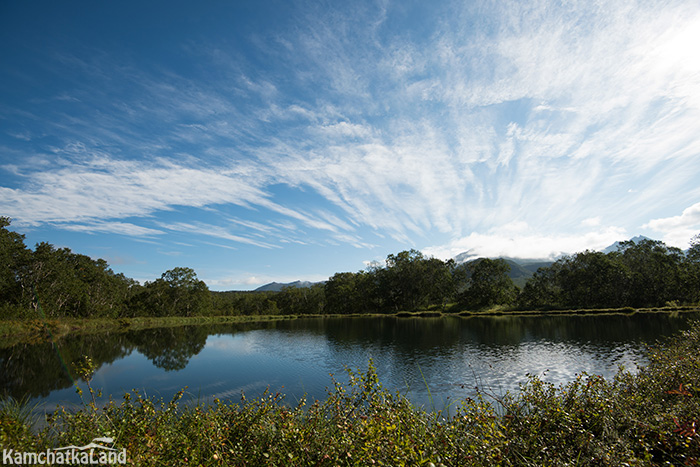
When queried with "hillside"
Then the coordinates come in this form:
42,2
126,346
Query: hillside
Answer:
519,272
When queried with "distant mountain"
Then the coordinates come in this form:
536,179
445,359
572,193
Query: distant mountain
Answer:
615,246
522,270
277,286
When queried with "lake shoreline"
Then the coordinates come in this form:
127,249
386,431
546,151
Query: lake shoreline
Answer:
25,331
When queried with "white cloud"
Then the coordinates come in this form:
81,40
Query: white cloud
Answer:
121,228
299,215
216,231
107,188
353,240
342,129
254,225
253,280
521,242
678,230
591,222
689,218
79,196
264,88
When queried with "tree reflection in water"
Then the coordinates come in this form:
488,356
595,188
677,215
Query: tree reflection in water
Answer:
170,348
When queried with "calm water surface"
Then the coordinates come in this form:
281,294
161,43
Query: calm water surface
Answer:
450,356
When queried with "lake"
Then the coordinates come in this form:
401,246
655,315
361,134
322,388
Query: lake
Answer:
434,361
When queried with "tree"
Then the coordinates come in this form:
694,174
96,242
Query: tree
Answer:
655,272
692,268
647,273
69,284
694,250
178,292
14,257
301,300
593,279
401,281
342,293
543,289
53,283
411,281
489,284
440,279
348,292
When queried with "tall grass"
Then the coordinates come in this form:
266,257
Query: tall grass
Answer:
647,418
16,421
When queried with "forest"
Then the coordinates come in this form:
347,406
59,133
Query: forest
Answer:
56,282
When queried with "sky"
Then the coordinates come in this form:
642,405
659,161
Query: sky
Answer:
260,141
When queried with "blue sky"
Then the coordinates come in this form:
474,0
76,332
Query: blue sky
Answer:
273,141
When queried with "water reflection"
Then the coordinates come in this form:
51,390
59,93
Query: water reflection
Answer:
450,356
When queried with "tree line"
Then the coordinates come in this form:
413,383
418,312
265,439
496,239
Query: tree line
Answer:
55,282
643,274
60,283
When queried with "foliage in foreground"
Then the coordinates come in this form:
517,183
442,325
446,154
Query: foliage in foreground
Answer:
648,418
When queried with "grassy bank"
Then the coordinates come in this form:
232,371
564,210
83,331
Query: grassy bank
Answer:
16,331
649,418
582,311
509,311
